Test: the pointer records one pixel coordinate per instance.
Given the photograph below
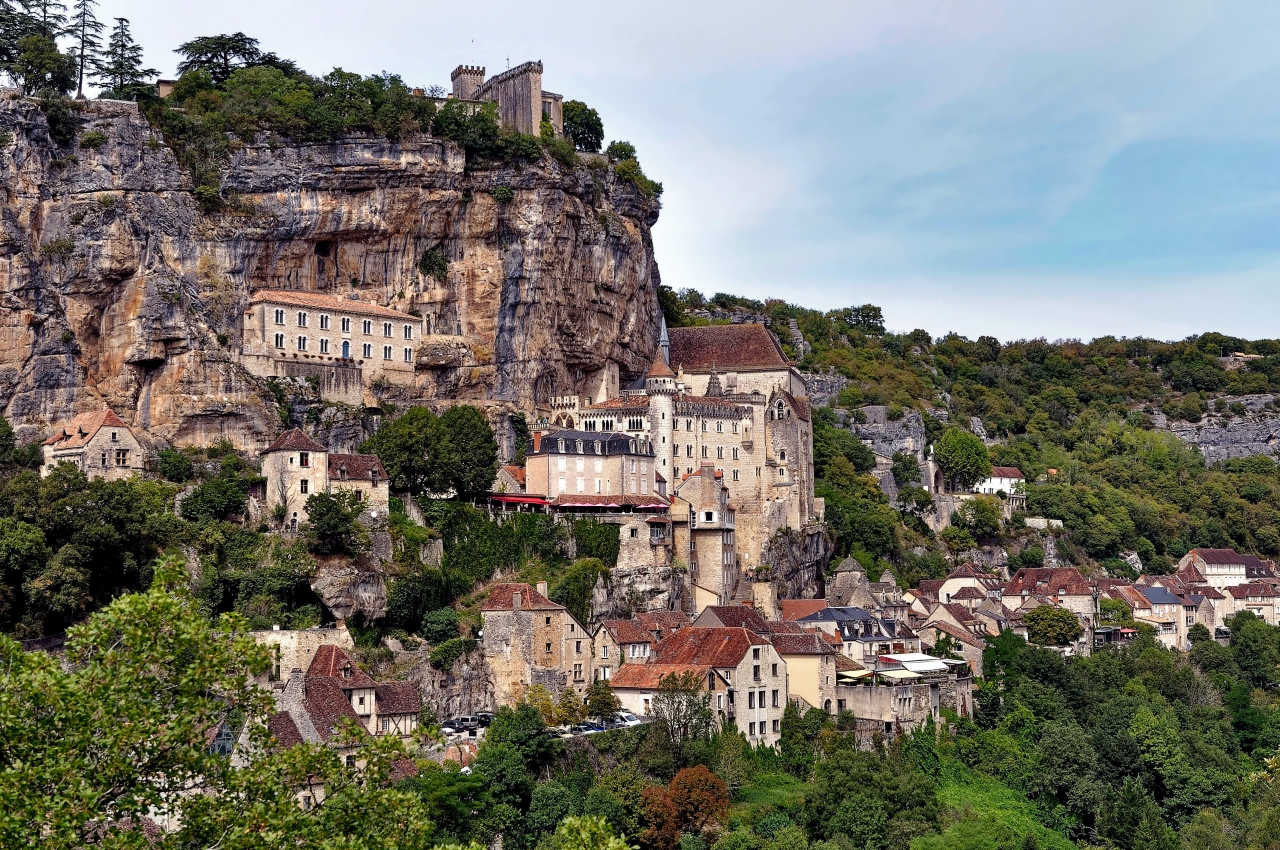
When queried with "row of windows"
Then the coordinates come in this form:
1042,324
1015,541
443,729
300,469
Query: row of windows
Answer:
688,451
366,324
366,349
751,699
733,473
688,425
751,728
633,486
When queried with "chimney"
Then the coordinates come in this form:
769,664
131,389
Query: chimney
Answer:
537,440
515,601
542,588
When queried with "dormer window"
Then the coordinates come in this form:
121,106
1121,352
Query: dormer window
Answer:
560,445
346,671
579,447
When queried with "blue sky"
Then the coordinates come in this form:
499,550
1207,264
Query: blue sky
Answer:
1058,169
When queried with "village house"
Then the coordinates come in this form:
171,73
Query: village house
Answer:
1258,598
529,640
1223,568
99,444
1007,482
1062,587
704,524
618,642
297,467
968,576
962,641
863,636
661,624
811,668
568,467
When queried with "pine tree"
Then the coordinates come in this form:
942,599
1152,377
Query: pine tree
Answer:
14,24
120,70
47,17
86,29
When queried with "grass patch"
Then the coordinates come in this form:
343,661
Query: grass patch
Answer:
768,790
985,814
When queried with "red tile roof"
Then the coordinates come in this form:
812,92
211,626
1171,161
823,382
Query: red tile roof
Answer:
1219,556
581,500
649,676
1048,580
786,627
398,698
80,430
284,730
1242,591
796,609
626,631
719,647
294,440
659,368
737,616
516,472
931,586
355,468
332,662
1005,472
967,571
317,301
622,402
328,706
966,637
803,644
500,599
662,622
725,348
967,593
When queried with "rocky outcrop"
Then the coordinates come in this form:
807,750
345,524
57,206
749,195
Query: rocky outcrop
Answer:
121,292
795,562
824,386
1221,436
350,587
625,591
887,437
463,689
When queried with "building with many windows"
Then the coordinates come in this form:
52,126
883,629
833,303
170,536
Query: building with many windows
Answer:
342,342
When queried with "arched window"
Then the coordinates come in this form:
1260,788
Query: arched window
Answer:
782,455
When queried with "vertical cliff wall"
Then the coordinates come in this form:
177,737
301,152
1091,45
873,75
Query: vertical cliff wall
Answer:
117,290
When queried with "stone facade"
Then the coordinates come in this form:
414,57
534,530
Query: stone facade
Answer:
98,444
529,640
565,464
522,104
297,467
703,531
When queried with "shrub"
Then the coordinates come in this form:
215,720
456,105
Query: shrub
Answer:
93,139
433,264
502,194
62,248
619,151
562,151
333,523
6,139
174,465
440,626
446,654
217,498
629,170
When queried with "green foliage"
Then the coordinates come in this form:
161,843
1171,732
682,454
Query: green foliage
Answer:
120,71
434,264
573,590
628,170
906,469
216,499
476,547
174,465
93,139
600,700
444,655
962,457
333,523
475,448
620,151
62,248
583,126
502,194
830,441
523,729
424,453
562,151
1050,626
440,625
981,517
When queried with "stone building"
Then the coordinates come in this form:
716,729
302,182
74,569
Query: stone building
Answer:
619,642
811,668
522,104
98,444
342,343
529,640
296,467
725,395
1223,568
292,648
568,464
703,526
864,636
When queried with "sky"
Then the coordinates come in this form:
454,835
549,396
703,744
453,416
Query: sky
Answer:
1057,168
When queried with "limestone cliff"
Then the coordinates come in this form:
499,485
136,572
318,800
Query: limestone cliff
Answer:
118,290
1221,436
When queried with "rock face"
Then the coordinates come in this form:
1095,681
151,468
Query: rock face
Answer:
465,688
1225,436
795,562
119,291
635,590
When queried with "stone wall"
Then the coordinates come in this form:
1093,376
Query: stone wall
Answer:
463,689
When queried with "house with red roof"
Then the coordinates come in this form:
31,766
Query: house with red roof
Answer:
1223,568
618,642
529,640
99,444
297,467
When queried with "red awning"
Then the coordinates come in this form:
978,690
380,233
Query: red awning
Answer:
522,500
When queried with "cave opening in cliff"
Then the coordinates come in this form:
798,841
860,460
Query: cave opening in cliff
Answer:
323,248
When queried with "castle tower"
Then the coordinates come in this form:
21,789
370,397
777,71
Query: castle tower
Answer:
466,79
660,386
664,342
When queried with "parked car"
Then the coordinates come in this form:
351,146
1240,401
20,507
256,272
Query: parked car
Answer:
484,718
465,723
626,718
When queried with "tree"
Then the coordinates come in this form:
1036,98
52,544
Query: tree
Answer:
39,66
524,729
963,458
1198,633
868,318
475,450
120,71
601,701
906,469
220,55
1050,626
682,710
174,465
47,18
1114,611
583,126
333,523
440,625
94,741
830,442
86,29
981,516
416,452
503,767
700,799
569,709
587,833
215,499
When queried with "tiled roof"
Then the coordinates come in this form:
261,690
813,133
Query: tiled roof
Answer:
799,403
284,730
738,616
966,637
1190,574
796,609
516,472
294,440
1218,556
626,631
317,301
398,698
967,593
622,402
786,627
613,443
355,467
967,571
402,769
1005,472
961,613
1048,580
1210,593
1130,596
331,662
1243,591
620,500
659,368
931,586
662,622
649,676
328,706
719,647
804,644
80,430
845,664
725,348
500,599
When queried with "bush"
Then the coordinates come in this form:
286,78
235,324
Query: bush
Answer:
433,264
502,194
215,499
562,151
440,626
629,171
62,248
619,151
583,126
174,465
93,139
446,654
333,523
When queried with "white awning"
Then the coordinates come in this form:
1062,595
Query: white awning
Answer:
898,675
933,665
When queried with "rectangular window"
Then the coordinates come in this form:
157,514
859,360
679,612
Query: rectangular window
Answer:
303,486
122,457
755,672
367,326
324,321
577,646
408,331
386,352
775,726
302,343
774,671
735,475
773,698
755,652
366,350
386,724
279,340
302,320
324,346
386,329
408,355
346,325
279,317
735,453
304,459
582,485
688,450
548,648
751,699
704,452
751,729
604,652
